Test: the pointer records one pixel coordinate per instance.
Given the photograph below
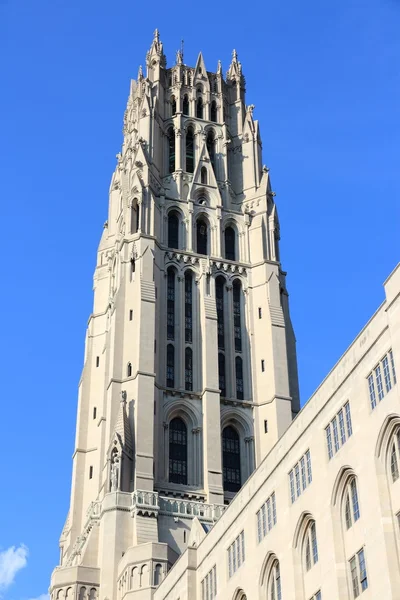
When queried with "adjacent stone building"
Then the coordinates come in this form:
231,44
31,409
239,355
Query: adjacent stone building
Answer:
189,386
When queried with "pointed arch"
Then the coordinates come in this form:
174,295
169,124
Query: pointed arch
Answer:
178,458
203,175
202,229
389,426
270,578
230,243
173,229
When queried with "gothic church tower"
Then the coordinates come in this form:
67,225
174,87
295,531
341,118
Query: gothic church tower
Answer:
190,372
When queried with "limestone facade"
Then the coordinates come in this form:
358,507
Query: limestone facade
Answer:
190,376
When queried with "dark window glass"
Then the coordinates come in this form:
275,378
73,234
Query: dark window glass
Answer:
214,111
201,237
186,105
171,304
219,295
173,105
189,151
177,451
129,370
188,369
199,108
230,243
203,175
239,378
170,366
231,459
221,374
237,321
173,231
188,308
211,148
171,151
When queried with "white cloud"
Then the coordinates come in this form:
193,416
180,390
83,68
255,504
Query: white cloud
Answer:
12,560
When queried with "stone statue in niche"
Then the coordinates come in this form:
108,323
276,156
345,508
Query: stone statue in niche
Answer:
114,473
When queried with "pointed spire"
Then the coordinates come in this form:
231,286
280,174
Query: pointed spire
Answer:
140,73
156,51
200,69
219,68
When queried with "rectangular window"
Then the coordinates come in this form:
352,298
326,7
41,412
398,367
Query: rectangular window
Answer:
236,554
130,315
354,577
363,570
329,441
379,384
90,472
309,471
94,412
335,434
358,571
386,374
265,426
372,395
291,480
348,419
97,361
341,427
209,585
266,517
300,476
259,312
263,365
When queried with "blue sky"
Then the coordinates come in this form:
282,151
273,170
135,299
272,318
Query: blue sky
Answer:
325,80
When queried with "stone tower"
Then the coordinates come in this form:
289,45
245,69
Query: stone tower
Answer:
190,372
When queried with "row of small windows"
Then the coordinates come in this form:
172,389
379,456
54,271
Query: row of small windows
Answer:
266,517
201,235
236,554
209,585
178,455
300,476
375,382
199,112
187,79
189,150
337,429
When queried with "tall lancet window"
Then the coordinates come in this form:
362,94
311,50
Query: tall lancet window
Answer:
135,216
274,583
214,111
219,297
231,459
188,369
210,142
171,150
171,304
189,150
185,105
239,378
173,105
203,175
230,253
173,230
237,317
221,374
199,107
177,451
188,307
202,237
170,366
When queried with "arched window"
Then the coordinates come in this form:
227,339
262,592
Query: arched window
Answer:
219,297
157,574
230,243
173,105
82,593
202,241
210,142
351,505
274,583
177,451
129,370
231,459
171,304
395,456
173,230
135,216
237,318
310,546
203,175
221,374
170,366
171,150
188,369
189,150
239,378
92,594
188,306
199,107
213,111
186,105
